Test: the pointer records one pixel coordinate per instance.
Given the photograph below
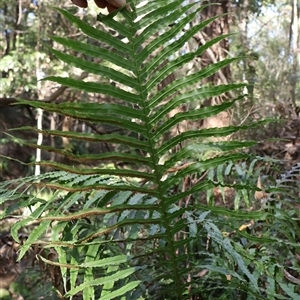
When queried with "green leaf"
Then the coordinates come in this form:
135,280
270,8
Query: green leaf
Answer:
116,260
94,51
93,87
103,280
197,114
33,238
97,69
128,287
95,33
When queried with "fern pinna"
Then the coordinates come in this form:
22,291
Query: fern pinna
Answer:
134,235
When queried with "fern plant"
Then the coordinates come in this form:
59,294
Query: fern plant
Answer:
136,233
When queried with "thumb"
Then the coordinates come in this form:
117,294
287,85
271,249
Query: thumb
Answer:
80,3
117,3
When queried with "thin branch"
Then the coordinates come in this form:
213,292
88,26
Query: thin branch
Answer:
290,277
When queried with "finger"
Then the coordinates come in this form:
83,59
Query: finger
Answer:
116,3
80,3
111,8
101,3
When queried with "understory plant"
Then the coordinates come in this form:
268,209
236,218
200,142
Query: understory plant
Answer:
144,231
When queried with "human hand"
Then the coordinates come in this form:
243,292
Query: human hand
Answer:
111,5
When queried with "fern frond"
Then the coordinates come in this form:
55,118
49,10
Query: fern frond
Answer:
127,215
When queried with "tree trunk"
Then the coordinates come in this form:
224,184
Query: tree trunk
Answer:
214,54
294,40
217,28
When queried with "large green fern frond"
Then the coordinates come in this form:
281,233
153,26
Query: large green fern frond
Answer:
128,217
